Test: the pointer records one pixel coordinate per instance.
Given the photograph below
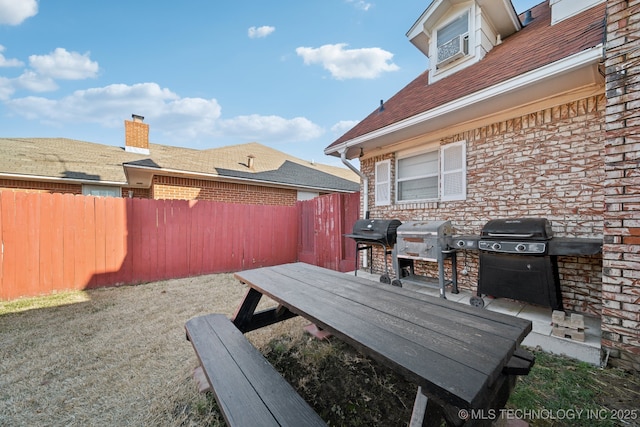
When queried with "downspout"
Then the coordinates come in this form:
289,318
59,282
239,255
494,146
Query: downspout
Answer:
365,182
365,197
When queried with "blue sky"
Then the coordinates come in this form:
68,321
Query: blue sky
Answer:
292,74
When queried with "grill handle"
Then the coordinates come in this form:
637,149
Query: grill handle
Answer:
506,235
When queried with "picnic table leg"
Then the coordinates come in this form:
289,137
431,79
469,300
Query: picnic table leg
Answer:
246,319
245,311
425,412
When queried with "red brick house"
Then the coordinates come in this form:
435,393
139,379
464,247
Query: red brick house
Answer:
521,116
245,173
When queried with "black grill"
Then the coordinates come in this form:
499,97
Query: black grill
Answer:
515,262
380,232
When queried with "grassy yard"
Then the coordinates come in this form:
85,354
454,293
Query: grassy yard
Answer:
119,356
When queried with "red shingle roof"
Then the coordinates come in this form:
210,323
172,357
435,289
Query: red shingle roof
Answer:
536,45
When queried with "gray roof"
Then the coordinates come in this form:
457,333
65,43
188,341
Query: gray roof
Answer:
62,158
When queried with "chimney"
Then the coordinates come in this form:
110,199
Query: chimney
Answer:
250,158
136,135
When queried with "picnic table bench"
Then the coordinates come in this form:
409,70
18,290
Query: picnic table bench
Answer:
460,357
249,391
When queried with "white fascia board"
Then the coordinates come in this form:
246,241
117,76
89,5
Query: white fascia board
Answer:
200,175
42,178
559,67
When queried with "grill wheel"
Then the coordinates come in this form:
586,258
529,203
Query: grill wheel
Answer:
476,301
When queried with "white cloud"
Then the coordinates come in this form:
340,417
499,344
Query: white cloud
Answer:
105,105
61,64
180,120
366,63
260,32
359,4
4,62
14,12
34,82
342,126
270,128
6,88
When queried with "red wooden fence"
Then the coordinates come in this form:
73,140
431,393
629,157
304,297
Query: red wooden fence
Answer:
55,242
323,222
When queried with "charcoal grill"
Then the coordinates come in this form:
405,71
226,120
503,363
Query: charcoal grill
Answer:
371,232
514,262
428,241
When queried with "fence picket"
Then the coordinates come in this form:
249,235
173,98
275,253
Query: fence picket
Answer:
54,242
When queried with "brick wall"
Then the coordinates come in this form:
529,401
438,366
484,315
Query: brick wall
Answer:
138,193
547,164
136,134
621,265
165,187
39,187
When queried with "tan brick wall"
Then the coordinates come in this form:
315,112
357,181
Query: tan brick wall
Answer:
621,265
165,187
136,134
548,164
39,186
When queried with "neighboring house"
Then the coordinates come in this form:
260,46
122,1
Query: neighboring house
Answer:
245,173
521,116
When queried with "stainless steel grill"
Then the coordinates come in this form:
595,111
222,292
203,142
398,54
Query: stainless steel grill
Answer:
426,241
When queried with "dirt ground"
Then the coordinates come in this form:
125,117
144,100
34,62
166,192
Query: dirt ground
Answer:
118,356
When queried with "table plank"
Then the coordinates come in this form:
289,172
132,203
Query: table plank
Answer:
463,342
454,354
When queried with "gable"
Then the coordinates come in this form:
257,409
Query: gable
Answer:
539,62
454,34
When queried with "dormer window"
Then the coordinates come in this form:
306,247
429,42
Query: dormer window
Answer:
452,40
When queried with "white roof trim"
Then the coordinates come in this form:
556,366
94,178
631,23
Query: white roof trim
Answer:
43,178
556,68
201,175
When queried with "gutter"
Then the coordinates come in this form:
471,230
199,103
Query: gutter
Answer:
365,181
42,178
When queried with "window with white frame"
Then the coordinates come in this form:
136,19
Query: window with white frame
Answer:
101,191
417,177
435,174
383,183
452,40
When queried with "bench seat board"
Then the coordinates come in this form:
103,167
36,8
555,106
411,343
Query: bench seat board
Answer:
455,353
248,389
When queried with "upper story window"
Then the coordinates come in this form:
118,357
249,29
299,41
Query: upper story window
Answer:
452,40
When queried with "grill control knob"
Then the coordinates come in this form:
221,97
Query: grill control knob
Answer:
521,247
496,246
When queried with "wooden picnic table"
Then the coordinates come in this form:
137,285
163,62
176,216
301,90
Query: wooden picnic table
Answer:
460,357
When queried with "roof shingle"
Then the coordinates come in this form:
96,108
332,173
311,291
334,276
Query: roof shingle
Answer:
536,45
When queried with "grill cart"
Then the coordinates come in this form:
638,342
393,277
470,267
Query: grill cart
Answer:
370,232
427,241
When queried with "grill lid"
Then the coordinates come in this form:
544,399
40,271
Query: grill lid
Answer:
381,231
432,228
518,228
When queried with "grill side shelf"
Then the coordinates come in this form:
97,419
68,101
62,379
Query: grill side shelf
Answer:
574,246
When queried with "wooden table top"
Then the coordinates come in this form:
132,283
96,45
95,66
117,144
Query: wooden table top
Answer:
455,352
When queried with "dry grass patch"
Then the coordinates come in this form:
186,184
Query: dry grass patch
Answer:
113,356
119,356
